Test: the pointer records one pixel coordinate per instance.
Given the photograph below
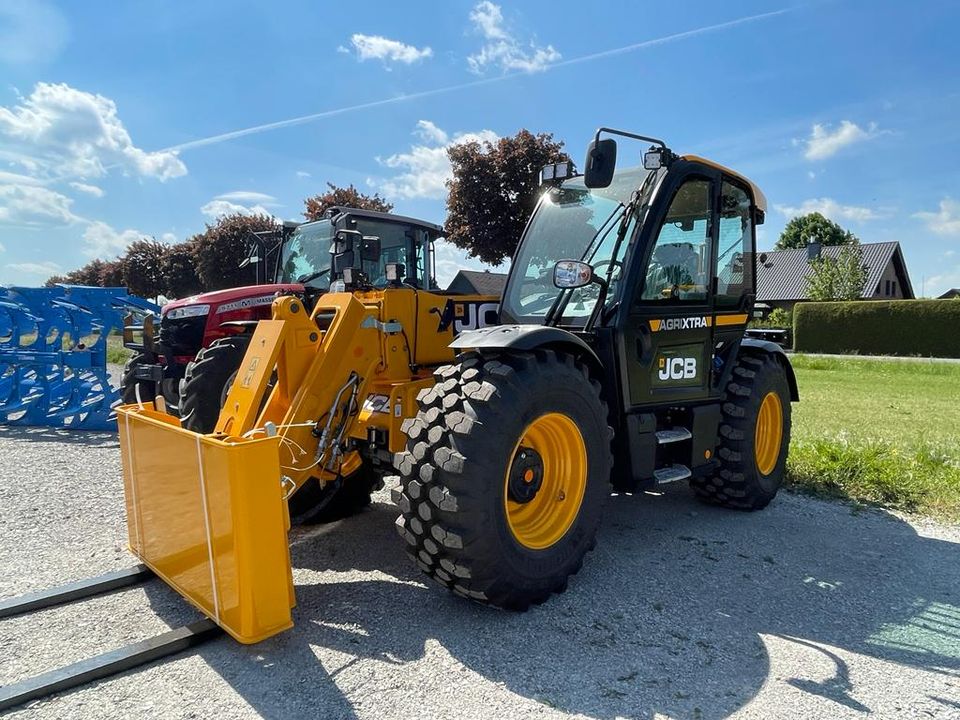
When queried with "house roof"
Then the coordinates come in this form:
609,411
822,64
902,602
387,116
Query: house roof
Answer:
783,276
482,282
951,293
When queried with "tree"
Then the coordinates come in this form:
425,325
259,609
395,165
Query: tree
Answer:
219,250
838,278
494,189
89,274
810,228
349,196
142,266
111,274
179,272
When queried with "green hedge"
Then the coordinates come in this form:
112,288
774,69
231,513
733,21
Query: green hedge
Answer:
900,327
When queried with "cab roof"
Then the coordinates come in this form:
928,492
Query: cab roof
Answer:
759,199
432,228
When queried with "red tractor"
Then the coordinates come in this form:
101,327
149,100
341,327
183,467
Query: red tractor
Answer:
192,360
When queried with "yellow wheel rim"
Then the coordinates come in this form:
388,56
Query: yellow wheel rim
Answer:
769,433
561,475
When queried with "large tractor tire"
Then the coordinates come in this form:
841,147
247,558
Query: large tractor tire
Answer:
754,436
207,382
133,390
505,474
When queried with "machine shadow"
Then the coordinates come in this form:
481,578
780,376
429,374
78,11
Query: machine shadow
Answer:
666,616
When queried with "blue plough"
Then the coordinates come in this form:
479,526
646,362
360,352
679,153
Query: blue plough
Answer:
53,354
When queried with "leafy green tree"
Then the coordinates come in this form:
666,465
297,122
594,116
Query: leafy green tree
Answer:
813,228
219,250
494,189
843,277
349,196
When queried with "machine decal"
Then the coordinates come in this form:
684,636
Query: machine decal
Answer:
696,323
251,370
468,315
678,366
377,403
246,303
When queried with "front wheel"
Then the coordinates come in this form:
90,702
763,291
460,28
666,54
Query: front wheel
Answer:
207,382
505,474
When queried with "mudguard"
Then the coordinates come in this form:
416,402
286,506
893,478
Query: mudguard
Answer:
525,337
765,346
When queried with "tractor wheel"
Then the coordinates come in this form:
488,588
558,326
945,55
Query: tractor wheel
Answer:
754,437
314,505
131,387
207,382
505,474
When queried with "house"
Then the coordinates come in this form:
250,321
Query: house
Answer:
472,282
949,294
782,274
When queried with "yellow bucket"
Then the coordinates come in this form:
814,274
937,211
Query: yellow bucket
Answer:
207,514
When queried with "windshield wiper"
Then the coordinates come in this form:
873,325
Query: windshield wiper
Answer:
303,279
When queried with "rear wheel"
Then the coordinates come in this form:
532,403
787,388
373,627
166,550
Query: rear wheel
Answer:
312,504
754,436
506,470
207,382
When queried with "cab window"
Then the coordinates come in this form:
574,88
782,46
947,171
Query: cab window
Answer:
735,246
678,267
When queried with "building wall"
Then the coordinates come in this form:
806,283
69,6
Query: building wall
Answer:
890,288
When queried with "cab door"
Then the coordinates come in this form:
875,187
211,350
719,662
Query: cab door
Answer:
666,341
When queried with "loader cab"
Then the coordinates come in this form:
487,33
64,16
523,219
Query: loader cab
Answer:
670,248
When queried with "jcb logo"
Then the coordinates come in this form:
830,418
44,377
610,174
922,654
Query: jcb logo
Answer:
677,368
467,316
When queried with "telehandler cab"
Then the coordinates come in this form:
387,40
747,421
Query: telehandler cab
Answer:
618,356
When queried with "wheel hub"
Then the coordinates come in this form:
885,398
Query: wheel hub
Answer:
526,475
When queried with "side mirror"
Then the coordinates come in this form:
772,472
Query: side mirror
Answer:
342,260
569,274
601,162
370,248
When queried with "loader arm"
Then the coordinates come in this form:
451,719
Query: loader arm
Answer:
316,395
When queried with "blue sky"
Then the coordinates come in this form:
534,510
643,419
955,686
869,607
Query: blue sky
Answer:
119,120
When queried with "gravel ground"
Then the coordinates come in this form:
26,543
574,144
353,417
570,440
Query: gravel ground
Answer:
809,609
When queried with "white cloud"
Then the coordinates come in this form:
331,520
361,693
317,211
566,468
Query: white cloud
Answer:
168,237
450,259
103,241
60,131
377,47
830,208
31,31
946,221
9,178
501,48
303,174
217,208
425,169
34,205
88,189
2,248
824,142
247,196
939,284
41,268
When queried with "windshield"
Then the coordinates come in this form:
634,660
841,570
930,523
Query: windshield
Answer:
306,256
572,222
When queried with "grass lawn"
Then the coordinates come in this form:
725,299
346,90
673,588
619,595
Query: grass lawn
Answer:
878,431
116,352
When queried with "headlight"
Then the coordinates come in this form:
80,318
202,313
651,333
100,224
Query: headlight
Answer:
188,311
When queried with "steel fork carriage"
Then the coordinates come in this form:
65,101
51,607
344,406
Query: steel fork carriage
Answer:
53,354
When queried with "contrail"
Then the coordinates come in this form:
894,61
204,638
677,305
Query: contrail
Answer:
234,134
